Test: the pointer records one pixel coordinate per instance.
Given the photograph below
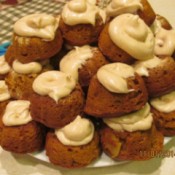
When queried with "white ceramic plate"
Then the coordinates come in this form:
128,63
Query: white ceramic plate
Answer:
103,161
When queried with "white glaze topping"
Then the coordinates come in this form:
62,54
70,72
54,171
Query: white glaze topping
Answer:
81,12
75,59
130,33
79,132
55,84
137,121
117,7
142,67
37,25
17,113
165,103
164,42
4,92
114,77
28,68
4,66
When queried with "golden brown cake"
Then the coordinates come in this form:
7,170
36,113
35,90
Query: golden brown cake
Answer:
164,113
108,98
78,152
19,133
82,24
131,137
141,8
42,41
82,63
158,74
126,38
56,99
21,77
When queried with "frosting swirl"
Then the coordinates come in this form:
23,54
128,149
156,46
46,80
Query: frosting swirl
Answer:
81,12
113,77
28,68
117,7
17,113
137,121
74,60
55,84
130,33
164,42
4,95
142,67
37,25
5,68
79,132
165,103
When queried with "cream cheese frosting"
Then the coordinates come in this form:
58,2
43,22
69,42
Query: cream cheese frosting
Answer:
117,7
75,59
114,77
131,34
55,84
4,66
37,25
142,67
28,68
17,113
140,120
4,92
165,103
77,133
164,42
81,12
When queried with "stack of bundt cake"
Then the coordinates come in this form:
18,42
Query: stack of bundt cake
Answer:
89,81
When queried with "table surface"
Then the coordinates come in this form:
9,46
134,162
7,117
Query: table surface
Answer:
13,164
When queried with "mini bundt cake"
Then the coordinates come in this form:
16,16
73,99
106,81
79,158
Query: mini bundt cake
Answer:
36,37
81,22
131,137
127,38
56,99
140,7
115,90
75,145
82,63
20,134
158,75
21,77
163,110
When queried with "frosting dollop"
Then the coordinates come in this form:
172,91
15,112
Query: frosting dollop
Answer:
165,103
55,84
137,121
4,92
164,42
114,77
142,67
81,12
75,59
28,68
130,33
17,113
4,66
79,132
117,7
37,25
